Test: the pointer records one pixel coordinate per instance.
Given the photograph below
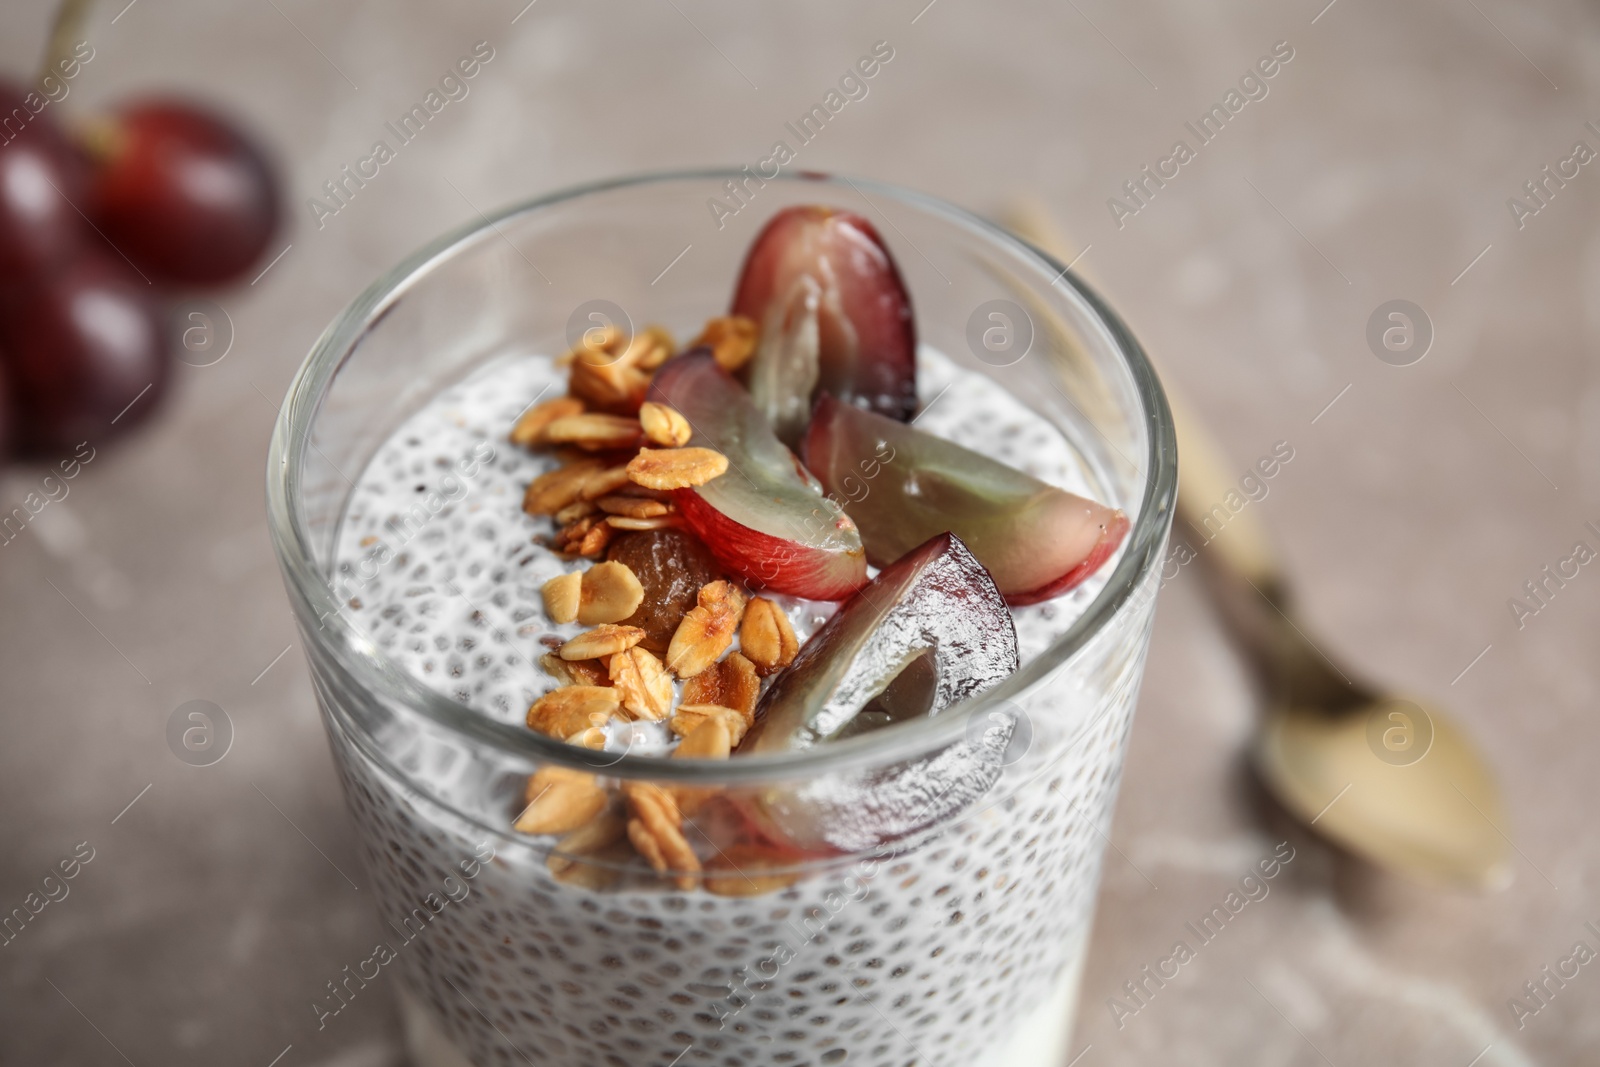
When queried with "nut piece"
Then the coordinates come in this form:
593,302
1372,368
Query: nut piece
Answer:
578,509
690,717
707,630
594,838
559,801
749,870
656,832
594,432
633,507
573,709
675,468
607,592
664,425
644,684
732,340
767,637
614,377
594,541
634,491
731,683
660,522
608,383
554,490
711,739
610,375
578,672
606,482
604,640
562,597
529,429
651,347
587,537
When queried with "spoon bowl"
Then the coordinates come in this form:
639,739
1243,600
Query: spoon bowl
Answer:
1393,781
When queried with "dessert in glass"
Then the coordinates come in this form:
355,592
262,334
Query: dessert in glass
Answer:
728,680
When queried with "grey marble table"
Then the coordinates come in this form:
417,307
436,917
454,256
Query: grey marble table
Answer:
1379,162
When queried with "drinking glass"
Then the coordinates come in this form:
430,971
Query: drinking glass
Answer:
952,934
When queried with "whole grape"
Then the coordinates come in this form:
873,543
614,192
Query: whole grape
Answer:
85,352
41,184
182,193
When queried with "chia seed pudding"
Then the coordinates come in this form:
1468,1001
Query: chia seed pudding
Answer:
942,952
930,909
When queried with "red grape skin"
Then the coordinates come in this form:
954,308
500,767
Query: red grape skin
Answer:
183,194
41,178
5,413
79,347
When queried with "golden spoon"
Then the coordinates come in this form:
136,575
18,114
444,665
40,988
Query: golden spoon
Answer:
1389,779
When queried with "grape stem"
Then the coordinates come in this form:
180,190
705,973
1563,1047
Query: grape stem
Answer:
65,32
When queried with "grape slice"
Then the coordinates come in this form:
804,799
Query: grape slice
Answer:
834,315
1037,540
937,598
766,518
929,631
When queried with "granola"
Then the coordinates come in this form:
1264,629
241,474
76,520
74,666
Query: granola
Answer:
707,630
767,637
574,672
562,596
732,682
559,800
607,592
732,340
690,717
643,683
664,426
587,857
603,640
529,429
655,827
573,709
594,431
676,468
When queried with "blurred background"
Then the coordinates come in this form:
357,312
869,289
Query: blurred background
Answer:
1378,166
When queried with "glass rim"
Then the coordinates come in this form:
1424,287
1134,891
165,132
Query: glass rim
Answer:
373,671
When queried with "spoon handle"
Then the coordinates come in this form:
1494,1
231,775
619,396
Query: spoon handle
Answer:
1212,505
1244,575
